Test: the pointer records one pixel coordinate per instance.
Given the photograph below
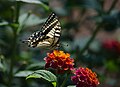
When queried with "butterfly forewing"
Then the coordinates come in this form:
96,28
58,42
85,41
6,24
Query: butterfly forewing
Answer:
50,23
49,34
54,33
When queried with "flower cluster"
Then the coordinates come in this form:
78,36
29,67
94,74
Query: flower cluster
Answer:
112,46
59,60
84,77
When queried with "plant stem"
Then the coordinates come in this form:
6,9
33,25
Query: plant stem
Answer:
13,55
12,62
17,11
96,30
112,6
92,38
65,80
23,23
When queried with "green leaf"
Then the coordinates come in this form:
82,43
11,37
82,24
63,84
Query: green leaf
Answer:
54,84
36,65
71,86
3,23
35,2
30,20
31,1
44,74
94,4
23,73
27,20
2,63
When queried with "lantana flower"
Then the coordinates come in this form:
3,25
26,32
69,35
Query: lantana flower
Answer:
84,77
59,61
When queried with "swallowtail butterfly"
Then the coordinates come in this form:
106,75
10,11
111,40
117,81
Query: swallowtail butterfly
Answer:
49,35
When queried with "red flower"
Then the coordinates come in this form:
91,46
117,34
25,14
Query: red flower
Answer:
112,46
84,77
59,60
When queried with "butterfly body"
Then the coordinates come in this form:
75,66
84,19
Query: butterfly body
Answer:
49,35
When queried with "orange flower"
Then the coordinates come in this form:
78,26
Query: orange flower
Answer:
84,77
59,60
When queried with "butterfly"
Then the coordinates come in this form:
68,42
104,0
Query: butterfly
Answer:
49,35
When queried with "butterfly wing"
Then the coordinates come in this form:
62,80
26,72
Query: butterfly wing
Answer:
49,36
50,23
51,31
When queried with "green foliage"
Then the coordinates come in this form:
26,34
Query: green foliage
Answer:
71,86
3,23
2,64
36,66
44,74
111,66
23,73
35,2
27,20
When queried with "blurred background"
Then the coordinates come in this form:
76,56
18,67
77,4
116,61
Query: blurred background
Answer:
90,33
